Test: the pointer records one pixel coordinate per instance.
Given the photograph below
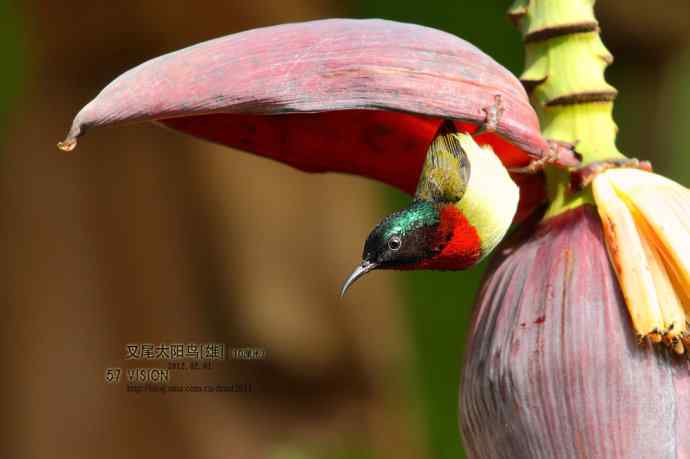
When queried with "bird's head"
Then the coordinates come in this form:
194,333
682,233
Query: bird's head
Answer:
456,217
406,237
424,235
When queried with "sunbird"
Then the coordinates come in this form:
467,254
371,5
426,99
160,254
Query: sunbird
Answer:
463,206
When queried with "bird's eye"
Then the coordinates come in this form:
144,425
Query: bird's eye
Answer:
394,243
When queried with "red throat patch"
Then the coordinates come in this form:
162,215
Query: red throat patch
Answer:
464,247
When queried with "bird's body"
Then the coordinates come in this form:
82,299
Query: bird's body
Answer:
491,198
463,207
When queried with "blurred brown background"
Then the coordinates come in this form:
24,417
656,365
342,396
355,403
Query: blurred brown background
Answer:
143,235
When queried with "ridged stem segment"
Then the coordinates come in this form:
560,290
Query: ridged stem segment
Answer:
565,61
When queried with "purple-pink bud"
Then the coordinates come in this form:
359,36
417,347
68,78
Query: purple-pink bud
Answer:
552,367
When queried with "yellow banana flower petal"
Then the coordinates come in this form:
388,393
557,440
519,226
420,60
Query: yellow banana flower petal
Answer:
672,311
646,219
629,260
664,205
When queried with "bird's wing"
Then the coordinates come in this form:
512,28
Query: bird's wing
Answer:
446,170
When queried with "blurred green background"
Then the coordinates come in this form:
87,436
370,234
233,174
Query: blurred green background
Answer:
138,237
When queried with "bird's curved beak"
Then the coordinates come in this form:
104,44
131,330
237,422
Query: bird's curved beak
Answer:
359,271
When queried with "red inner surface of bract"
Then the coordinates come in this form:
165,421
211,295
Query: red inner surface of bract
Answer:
383,145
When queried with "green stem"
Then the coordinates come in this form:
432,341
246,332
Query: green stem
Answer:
565,61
